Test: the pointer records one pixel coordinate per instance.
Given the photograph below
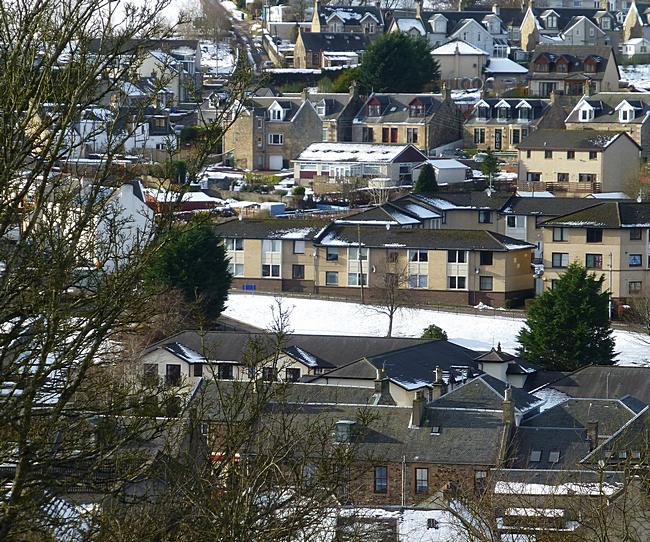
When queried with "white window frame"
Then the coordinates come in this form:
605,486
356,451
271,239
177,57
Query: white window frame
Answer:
276,139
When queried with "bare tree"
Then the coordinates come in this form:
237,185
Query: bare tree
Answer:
389,296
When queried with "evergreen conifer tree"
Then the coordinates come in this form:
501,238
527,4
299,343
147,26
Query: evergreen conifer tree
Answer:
426,182
568,326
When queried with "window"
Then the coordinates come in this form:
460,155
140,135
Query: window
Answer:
479,135
236,269
634,287
548,154
332,254
486,257
367,134
275,114
385,135
593,155
291,374
528,154
594,261
276,139
354,279
456,256
297,272
374,110
411,135
271,245
511,222
432,523
172,374
308,471
554,457
634,260
560,259
483,113
381,479
485,283
197,369
635,234
392,256
421,480
587,177
534,177
535,456
562,177
393,135
418,256
268,374
560,234
298,247
354,253
485,217
269,270
570,155
456,283
418,281
234,244
515,137
224,370
150,373
331,278
594,235
343,431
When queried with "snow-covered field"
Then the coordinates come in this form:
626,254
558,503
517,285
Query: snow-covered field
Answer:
637,75
217,57
479,332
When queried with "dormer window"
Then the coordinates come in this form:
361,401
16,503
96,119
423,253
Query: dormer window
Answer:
551,22
321,109
586,114
541,67
503,113
483,112
626,114
524,113
374,110
276,113
416,110
606,23
344,431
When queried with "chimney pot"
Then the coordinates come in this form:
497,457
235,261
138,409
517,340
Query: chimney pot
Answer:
508,407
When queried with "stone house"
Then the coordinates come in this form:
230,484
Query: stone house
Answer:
578,161
610,238
315,50
367,19
614,111
503,123
268,132
426,121
571,69
459,60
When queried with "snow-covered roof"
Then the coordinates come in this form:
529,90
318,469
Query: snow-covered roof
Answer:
447,164
350,152
406,25
458,47
504,65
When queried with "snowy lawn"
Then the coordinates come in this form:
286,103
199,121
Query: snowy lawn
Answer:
341,318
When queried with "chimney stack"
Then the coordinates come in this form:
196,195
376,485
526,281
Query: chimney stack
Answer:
439,387
586,87
460,5
592,435
496,9
444,90
382,383
354,89
418,9
508,407
418,409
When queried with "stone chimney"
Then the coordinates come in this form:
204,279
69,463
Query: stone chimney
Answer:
439,387
418,409
354,89
508,407
382,384
592,435
586,87
305,94
418,9
460,5
444,90
496,9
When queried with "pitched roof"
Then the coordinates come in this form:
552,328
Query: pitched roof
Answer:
458,47
608,214
547,206
272,228
581,140
349,15
359,152
340,234
330,41
394,108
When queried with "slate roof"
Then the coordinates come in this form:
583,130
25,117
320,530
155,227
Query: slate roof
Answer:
546,206
607,104
580,140
572,444
339,234
335,350
349,15
538,108
610,214
414,366
394,108
576,54
273,228
338,42
605,382
486,393
465,200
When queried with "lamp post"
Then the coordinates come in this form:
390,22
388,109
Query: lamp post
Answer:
360,263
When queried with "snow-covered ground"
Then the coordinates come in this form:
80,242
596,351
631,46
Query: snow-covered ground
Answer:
217,57
479,332
637,75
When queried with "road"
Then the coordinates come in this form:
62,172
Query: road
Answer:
242,34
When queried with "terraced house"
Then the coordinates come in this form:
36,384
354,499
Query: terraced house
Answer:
351,260
611,239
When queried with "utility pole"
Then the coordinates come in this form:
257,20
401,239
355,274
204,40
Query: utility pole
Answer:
363,301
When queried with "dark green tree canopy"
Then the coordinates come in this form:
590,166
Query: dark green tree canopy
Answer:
192,258
568,327
426,182
490,166
397,62
434,332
